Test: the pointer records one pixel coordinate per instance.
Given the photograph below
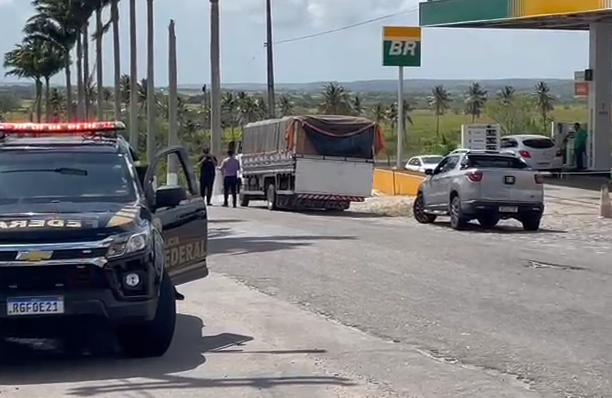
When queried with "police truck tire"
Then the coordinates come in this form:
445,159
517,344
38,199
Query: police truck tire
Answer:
531,222
271,197
151,338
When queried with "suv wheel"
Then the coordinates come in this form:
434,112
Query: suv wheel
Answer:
151,338
458,220
488,221
418,211
531,222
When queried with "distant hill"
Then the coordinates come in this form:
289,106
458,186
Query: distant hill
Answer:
561,87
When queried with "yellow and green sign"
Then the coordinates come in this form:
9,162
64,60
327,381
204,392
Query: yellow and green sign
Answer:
401,46
457,12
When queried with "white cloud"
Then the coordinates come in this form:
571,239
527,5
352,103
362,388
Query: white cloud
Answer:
5,2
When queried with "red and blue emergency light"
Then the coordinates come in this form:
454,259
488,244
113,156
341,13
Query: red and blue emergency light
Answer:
60,128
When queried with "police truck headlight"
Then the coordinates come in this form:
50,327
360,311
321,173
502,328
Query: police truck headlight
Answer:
128,244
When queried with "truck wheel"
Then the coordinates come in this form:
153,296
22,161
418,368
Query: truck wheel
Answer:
271,197
244,201
151,338
458,220
531,222
418,211
488,221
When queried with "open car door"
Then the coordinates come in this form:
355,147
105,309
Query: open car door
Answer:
180,213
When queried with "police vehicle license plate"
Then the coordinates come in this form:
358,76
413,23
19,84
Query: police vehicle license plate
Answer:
34,305
508,209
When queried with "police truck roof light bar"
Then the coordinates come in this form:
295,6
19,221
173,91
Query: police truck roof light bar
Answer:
60,128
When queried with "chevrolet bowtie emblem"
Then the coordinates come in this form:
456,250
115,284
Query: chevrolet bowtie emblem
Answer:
34,256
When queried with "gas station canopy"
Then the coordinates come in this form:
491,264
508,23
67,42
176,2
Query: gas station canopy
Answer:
515,14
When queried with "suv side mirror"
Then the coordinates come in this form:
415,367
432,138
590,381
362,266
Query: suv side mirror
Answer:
429,172
169,196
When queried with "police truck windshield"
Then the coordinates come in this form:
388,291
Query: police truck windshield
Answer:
64,177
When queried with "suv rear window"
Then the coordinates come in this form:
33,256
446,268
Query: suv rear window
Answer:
539,143
495,162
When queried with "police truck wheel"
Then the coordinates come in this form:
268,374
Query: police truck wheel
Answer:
152,338
531,222
271,197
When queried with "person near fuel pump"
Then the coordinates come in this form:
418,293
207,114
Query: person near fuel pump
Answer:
580,141
208,167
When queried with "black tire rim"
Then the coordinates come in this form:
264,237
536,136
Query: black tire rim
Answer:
419,212
455,211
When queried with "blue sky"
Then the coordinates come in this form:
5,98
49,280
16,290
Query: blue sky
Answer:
352,54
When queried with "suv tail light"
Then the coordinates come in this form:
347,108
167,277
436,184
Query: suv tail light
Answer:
524,154
559,153
539,179
474,176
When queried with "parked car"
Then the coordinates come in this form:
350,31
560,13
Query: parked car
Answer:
538,151
423,162
484,186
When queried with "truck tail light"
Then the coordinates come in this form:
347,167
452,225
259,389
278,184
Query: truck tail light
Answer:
474,176
524,154
539,179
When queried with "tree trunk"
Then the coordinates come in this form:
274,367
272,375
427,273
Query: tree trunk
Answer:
151,145
117,58
133,78
438,125
80,87
38,101
99,66
69,115
86,83
48,112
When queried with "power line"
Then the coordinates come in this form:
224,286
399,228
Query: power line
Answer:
326,32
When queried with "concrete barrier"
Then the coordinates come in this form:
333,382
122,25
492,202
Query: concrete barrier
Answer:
392,182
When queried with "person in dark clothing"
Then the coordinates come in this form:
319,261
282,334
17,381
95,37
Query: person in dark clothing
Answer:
208,165
230,168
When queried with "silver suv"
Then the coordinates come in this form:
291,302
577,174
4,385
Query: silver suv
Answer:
487,186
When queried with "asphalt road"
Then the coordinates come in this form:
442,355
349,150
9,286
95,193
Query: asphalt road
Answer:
323,305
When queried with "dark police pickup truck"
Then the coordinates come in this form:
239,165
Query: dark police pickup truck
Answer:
85,234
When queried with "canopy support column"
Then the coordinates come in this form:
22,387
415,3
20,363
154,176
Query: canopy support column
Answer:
599,145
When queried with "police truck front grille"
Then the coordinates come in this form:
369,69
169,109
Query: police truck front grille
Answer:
23,279
78,254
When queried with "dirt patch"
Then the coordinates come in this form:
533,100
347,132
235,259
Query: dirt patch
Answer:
388,206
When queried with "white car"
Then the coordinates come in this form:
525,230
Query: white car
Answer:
538,151
424,162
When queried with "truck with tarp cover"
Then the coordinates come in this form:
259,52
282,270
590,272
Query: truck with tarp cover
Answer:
323,162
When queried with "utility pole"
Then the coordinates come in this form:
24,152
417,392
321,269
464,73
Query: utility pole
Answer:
215,70
270,55
133,78
172,177
151,146
99,66
400,119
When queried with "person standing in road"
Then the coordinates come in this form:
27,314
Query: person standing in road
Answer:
208,165
230,168
580,141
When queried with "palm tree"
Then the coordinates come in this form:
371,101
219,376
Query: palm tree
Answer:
124,90
24,62
544,101
392,115
55,22
51,63
357,106
57,101
336,100
440,102
506,95
133,77
379,113
475,100
285,106
229,108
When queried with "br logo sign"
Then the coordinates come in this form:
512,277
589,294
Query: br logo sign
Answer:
401,46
